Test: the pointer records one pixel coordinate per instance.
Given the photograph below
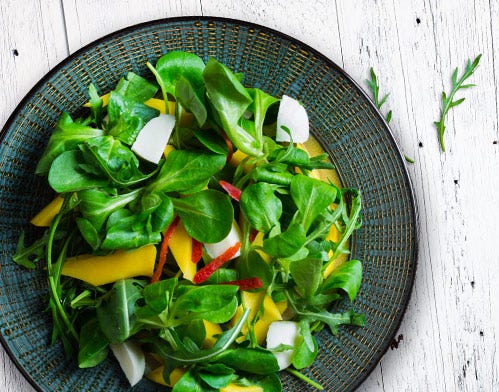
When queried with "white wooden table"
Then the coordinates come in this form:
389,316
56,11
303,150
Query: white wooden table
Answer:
448,338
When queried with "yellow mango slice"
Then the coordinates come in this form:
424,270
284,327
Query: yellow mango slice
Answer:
45,216
253,302
181,247
238,157
282,306
99,270
212,330
258,241
239,388
156,376
168,149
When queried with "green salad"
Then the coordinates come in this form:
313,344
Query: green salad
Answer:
191,235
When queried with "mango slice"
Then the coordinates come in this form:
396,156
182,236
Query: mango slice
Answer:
181,247
212,330
46,215
99,270
253,301
239,388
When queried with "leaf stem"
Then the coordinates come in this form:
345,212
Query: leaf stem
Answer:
308,380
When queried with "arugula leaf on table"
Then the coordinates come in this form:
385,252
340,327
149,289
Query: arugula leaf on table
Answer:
66,136
448,102
374,86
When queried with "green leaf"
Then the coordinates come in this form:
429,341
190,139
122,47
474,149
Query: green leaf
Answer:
252,265
261,103
334,320
216,375
229,100
116,313
113,160
97,204
96,103
346,277
307,274
251,360
207,215
212,141
89,232
261,206
188,98
306,351
176,65
28,256
455,103
312,197
190,383
184,171
287,243
126,230
203,298
136,88
127,117
93,345
66,175
66,136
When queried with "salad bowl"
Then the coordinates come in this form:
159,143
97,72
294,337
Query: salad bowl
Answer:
342,119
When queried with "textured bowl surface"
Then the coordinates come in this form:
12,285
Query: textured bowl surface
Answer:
342,119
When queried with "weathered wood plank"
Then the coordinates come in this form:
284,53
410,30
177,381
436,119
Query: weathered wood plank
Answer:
449,331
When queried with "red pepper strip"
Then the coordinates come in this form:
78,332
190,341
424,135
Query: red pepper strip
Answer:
246,284
231,190
229,145
205,272
197,251
253,234
163,251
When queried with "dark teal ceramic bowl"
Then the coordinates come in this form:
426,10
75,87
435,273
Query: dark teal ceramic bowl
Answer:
342,119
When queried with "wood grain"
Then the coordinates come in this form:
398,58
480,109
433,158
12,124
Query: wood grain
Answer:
448,338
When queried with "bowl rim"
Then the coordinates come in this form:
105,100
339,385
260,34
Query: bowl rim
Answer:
205,18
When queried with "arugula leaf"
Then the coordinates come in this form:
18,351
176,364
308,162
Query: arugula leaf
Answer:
346,277
374,86
28,256
116,313
66,136
334,320
448,102
207,215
